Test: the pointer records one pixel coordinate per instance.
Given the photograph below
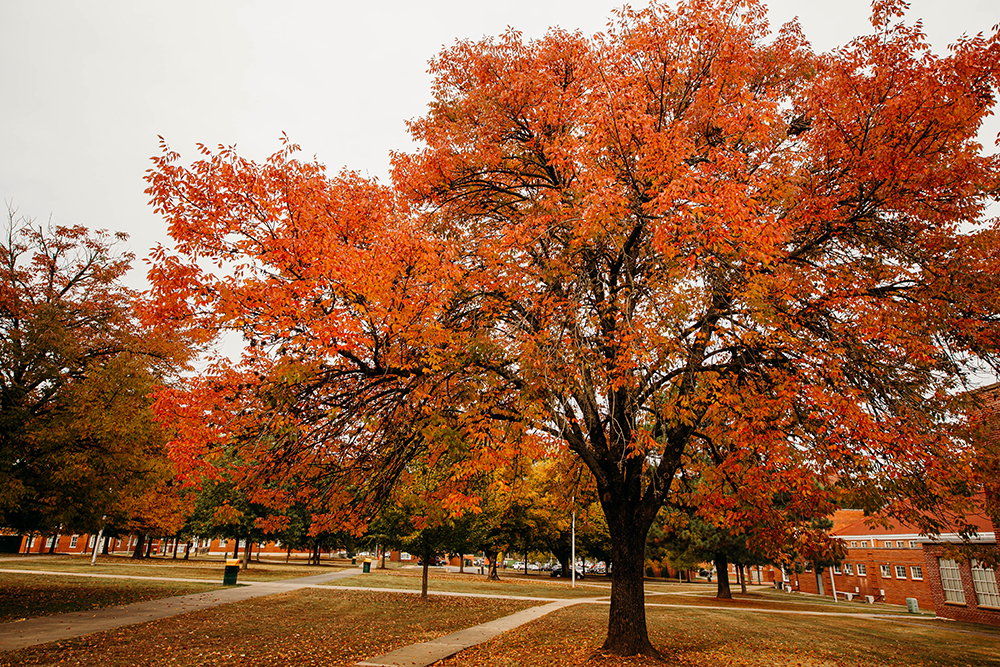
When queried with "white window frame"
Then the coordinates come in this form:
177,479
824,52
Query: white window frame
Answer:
837,569
862,570
848,568
916,572
951,581
854,545
985,582
901,572
72,541
914,544
900,544
886,574
864,544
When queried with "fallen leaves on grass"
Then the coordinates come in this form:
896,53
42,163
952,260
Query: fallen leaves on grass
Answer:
27,596
306,627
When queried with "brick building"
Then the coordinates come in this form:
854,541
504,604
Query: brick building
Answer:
883,564
963,588
896,563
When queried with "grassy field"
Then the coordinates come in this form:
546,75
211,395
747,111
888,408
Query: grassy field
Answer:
469,583
709,638
26,595
155,567
305,628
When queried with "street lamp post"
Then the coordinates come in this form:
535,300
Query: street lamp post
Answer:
572,563
97,543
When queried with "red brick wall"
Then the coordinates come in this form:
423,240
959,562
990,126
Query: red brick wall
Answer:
988,423
969,612
872,583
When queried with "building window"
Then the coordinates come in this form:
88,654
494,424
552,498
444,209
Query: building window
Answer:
864,544
854,545
914,545
916,572
222,542
848,568
862,570
951,581
900,544
836,569
887,544
809,566
900,572
986,586
885,572
92,541
72,541
48,541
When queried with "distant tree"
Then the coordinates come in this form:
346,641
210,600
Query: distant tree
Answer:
78,440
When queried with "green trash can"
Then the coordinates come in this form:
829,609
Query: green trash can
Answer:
354,561
367,567
232,572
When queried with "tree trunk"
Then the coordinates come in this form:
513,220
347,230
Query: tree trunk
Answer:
55,541
743,578
526,561
627,634
722,567
423,582
107,540
492,557
187,550
177,545
461,563
247,552
149,547
139,544
236,548
288,554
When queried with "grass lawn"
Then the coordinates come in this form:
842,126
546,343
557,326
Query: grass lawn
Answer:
303,628
155,567
707,638
468,583
28,595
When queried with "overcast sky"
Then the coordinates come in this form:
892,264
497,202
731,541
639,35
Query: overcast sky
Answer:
88,86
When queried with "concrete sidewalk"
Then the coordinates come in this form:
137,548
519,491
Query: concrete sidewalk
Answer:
427,653
45,629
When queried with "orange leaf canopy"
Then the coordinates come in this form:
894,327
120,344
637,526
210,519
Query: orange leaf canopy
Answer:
683,248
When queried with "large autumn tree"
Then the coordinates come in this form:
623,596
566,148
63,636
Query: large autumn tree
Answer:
682,247
78,439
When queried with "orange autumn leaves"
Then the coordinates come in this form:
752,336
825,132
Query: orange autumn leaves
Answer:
683,247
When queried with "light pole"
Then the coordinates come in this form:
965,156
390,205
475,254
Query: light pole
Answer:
572,561
97,543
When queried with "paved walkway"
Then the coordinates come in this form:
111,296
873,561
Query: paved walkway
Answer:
45,629
422,655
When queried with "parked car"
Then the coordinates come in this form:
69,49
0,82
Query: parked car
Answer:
557,572
433,562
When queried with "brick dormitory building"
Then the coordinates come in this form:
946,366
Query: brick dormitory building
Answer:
893,564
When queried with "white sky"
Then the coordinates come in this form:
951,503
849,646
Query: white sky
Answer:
87,86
